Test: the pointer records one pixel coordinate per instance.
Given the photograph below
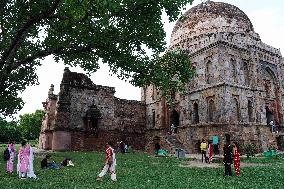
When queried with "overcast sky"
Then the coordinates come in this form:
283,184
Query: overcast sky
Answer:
266,16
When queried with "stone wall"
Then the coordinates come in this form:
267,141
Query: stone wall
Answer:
84,116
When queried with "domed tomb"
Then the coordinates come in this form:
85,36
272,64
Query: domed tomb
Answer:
211,17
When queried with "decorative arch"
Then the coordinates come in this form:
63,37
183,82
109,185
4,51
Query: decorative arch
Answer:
236,110
250,111
211,110
246,72
195,115
209,72
270,82
175,119
92,119
234,70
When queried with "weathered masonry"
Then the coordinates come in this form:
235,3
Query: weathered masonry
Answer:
237,90
238,87
84,116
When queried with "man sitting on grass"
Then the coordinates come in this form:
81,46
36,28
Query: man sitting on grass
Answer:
45,163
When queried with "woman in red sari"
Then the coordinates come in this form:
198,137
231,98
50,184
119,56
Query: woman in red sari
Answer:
237,159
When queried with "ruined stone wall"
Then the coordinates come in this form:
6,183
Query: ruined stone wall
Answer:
83,99
129,115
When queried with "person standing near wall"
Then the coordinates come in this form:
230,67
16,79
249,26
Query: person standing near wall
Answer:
227,157
203,148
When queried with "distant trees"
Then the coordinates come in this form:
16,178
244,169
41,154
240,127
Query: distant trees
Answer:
27,127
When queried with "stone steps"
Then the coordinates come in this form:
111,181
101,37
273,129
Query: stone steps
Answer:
175,144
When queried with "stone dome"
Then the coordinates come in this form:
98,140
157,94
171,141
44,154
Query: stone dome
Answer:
211,17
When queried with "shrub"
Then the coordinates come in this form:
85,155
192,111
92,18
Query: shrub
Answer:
249,149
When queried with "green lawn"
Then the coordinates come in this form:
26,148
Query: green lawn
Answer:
139,170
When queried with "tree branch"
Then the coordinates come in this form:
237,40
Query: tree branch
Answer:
72,49
22,32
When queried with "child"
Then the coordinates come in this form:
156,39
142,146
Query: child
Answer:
237,159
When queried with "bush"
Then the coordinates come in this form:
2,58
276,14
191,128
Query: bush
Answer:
249,149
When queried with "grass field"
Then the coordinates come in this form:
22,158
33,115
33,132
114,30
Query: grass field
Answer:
139,170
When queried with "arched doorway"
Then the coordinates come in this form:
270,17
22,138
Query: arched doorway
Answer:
195,113
269,115
174,120
92,120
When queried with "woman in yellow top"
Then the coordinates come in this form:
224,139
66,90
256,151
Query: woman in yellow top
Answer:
203,148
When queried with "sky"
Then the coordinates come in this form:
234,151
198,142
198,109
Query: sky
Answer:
266,17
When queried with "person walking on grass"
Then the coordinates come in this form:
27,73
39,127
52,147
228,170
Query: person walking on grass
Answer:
203,148
237,159
110,163
12,155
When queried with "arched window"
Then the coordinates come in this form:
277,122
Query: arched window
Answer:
236,110
211,109
250,110
209,72
195,114
234,70
153,118
269,82
246,72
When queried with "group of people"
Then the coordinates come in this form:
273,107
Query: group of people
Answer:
206,151
48,163
26,157
231,155
25,160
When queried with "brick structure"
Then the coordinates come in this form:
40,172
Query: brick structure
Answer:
238,87
84,116
237,90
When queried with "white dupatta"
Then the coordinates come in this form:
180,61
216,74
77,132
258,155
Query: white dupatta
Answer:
30,173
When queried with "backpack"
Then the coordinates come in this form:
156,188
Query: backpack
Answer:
6,154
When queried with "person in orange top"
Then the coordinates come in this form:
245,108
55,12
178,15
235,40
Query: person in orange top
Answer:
237,159
110,163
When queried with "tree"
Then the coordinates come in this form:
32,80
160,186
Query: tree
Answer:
9,131
81,32
30,124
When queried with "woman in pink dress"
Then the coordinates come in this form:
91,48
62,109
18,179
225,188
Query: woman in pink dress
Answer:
10,162
23,160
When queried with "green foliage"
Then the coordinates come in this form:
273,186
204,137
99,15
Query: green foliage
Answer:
81,32
140,171
9,131
30,124
28,127
249,149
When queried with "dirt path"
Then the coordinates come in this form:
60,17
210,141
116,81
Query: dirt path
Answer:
199,164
